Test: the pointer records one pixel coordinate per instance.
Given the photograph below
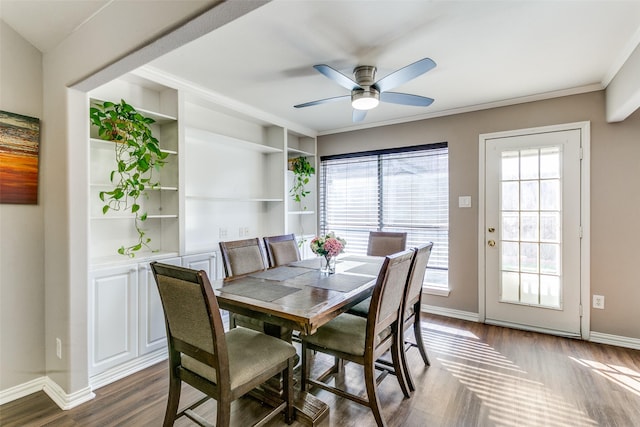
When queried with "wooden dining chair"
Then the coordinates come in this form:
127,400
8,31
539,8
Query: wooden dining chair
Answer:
383,243
282,249
224,366
242,257
363,341
412,303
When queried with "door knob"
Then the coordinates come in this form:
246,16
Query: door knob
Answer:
492,243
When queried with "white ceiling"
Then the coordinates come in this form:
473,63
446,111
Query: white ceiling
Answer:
488,53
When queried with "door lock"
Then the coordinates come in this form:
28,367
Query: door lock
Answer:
492,230
491,243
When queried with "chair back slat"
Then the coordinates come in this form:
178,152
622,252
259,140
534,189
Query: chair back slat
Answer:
241,257
383,243
389,290
281,250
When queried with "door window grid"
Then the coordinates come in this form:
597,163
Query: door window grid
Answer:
531,227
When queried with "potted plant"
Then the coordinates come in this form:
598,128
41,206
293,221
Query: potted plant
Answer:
302,171
137,155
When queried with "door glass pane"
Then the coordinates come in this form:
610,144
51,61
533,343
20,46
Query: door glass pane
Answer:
510,226
529,162
550,227
510,165
510,287
529,195
550,162
550,291
510,196
550,195
529,257
510,256
529,226
529,288
550,258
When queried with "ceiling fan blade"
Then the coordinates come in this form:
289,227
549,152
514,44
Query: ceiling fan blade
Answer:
406,99
322,101
359,115
336,76
405,74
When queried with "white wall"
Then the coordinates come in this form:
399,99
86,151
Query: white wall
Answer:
21,229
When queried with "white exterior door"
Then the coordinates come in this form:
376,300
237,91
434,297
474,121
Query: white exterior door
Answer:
531,235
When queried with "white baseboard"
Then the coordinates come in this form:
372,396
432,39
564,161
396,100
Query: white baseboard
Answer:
616,340
22,390
126,369
64,400
51,388
449,312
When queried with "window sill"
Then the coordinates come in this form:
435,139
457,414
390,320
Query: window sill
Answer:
432,290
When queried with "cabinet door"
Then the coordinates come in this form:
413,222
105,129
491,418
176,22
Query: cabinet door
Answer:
152,334
206,261
113,314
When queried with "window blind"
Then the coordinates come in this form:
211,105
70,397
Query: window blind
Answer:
404,189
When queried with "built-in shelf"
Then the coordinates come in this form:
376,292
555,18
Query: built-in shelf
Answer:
233,199
159,118
108,217
295,152
192,133
301,212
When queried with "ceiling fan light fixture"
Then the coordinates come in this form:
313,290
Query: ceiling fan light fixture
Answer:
365,99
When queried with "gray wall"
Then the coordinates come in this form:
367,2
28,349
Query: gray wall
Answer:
21,229
615,199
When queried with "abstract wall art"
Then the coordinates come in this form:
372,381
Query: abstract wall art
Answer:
19,147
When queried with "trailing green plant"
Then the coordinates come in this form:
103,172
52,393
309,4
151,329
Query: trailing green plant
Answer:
137,155
302,171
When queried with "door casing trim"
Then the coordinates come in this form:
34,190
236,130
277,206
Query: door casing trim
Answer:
585,214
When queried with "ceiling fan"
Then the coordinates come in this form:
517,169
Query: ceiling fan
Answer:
366,92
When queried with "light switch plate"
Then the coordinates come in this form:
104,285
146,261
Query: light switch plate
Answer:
464,201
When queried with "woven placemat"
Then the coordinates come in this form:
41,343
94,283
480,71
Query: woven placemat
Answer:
280,273
262,290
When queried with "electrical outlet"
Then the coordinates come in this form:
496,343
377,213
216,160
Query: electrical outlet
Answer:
59,348
223,233
598,301
240,231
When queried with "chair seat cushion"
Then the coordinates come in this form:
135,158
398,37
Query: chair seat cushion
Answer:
361,309
345,333
250,354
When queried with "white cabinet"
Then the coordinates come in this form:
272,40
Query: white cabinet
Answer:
209,262
113,314
152,334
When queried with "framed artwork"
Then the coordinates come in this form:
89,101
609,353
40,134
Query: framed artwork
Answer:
19,147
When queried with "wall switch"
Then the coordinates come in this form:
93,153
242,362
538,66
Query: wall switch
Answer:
59,348
222,233
598,301
246,231
464,201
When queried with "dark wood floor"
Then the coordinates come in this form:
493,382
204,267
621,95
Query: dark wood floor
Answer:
480,375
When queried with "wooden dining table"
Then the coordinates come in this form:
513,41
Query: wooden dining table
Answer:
299,296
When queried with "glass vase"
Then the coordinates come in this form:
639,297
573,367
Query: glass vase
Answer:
327,265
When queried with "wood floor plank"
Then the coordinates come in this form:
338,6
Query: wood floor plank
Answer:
480,375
